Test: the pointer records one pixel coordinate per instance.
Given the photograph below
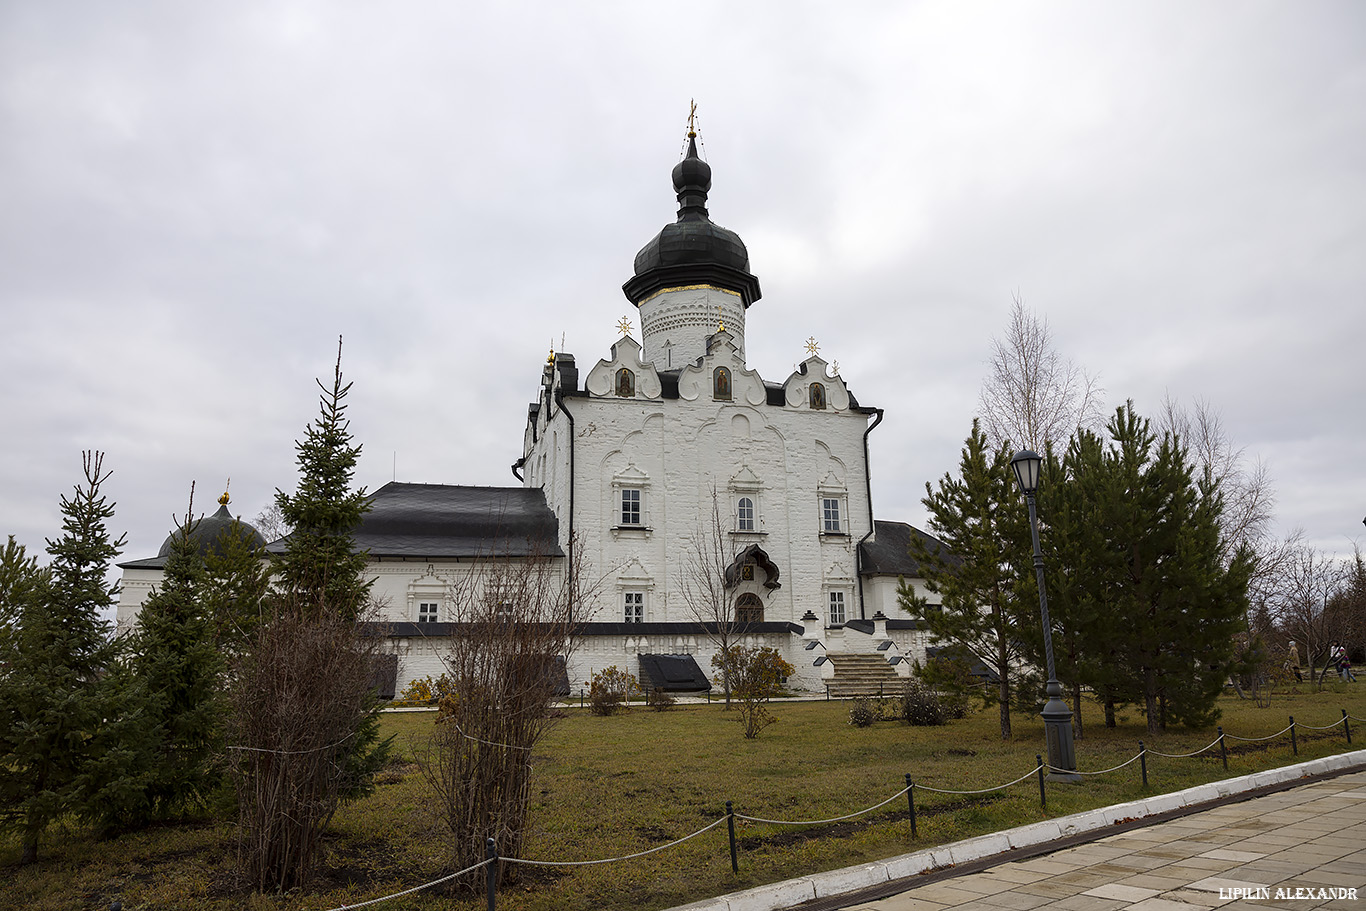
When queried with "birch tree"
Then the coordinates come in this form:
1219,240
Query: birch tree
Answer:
1032,396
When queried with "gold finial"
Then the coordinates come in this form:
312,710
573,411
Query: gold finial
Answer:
720,321
550,358
692,118
223,500
624,326
811,347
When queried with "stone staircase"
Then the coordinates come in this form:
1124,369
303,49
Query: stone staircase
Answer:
862,674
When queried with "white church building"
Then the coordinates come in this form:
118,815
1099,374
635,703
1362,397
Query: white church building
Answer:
631,459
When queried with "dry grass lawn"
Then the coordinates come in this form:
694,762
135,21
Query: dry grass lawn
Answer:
606,787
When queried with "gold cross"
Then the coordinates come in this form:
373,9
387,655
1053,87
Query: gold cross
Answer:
624,326
811,346
720,321
836,367
692,118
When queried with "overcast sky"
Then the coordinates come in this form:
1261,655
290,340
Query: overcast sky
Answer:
197,199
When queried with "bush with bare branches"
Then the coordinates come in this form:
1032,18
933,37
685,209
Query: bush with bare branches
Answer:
511,640
302,702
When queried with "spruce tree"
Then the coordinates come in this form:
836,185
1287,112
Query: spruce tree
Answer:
20,578
320,569
981,521
176,673
233,590
304,721
52,697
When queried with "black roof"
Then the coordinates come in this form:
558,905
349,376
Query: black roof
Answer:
209,536
424,521
672,673
888,553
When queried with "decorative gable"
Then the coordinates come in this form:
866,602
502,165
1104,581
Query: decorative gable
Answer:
721,375
639,380
812,386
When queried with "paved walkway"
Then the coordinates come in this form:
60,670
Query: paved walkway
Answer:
1305,841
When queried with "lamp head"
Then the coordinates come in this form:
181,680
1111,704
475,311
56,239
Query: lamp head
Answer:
1026,465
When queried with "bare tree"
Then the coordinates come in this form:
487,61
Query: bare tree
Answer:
1300,595
271,523
512,625
1032,395
701,580
1245,486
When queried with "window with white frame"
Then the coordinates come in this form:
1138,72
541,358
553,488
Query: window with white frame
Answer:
634,604
836,608
428,611
830,515
630,506
744,514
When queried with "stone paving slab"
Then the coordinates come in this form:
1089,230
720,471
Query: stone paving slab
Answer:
1309,838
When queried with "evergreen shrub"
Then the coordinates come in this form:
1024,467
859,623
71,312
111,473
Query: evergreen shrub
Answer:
862,712
921,706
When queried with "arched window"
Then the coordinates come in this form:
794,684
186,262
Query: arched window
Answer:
818,396
626,383
721,384
744,514
749,609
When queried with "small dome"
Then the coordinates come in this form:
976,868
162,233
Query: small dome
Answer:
208,534
693,250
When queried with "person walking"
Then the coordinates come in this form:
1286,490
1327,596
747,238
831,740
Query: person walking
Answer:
1337,656
1292,661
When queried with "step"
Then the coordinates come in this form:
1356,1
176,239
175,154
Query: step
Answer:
861,674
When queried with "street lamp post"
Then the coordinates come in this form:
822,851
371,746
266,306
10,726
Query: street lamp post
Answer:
1057,717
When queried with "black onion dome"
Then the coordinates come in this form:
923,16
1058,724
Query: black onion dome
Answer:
693,250
208,534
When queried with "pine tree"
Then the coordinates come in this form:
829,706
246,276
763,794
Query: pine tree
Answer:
980,520
1171,606
1072,524
52,697
320,568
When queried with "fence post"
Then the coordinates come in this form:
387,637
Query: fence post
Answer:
1143,762
1294,742
910,798
1346,727
492,873
730,824
1223,750
1043,795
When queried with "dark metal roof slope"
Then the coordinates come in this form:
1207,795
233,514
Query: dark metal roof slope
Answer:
672,673
208,536
889,551
443,520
